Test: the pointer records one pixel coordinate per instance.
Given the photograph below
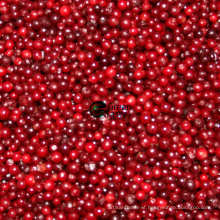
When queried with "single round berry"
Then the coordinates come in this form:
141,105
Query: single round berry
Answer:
201,153
110,72
49,185
139,74
130,100
4,113
110,198
90,147
140,195
30,180
3,71
65,10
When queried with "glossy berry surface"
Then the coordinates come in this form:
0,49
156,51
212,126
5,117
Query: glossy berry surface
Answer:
159,158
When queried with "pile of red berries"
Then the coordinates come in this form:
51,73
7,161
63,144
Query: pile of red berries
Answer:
160,57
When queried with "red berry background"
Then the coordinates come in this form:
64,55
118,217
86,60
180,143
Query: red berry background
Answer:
159,57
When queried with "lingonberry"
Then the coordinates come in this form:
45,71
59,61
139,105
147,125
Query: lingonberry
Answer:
156,62
110,198
201,153
110,72
90,147
65,10
30,180
4,113
49,185
3,71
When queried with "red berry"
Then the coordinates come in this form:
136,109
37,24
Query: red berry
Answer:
122,4
140,195
110,72
49,185
30,180
110,198
157,62
201,153
130,100
161,203
90,147
4,113
139,74
26,54
65,10
3,71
